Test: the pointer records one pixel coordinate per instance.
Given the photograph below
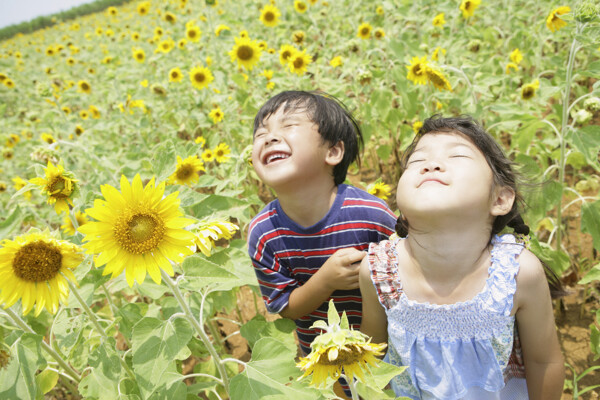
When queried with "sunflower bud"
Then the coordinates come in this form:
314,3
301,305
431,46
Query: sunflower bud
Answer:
592,104
586,11
582,116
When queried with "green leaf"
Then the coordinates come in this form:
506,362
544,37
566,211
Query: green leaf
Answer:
271,372
281,329
590,221
587,141
333,317
557,260
380,376
592,275
104,375
130,314
201,272
46,380
155,345
595,340
18,380
11,223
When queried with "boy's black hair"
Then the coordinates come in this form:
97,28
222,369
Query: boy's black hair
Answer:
502,171
335,123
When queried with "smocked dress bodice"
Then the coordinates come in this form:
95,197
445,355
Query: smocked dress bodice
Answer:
453,351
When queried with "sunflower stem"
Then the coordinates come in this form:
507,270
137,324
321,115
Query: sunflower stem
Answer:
97,325
73,374
199,330
352,386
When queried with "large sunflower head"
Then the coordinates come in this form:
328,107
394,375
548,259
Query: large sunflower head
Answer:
59,186
298,62
468,7
269,15
200,77
338,350
417,70
553,22
186,171
137,230
246,52
34,268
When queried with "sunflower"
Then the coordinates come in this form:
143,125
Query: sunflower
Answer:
111,11
68,226
299,61
285,53
222,152
300,6
48,138
246,52
181,43
416,126
34,268
200,140
206,234
416,70
336,61
12,140
175,75
379,10
516,56
438,79
208,155
135,36
220,28
216,115
380,189
94,112
468,7
200,77
553,22
138,54
269,15
436,53
193,33
3,187
19,184
186,171
3,76
511,66
84,87
438,20
339,350
170,17
298,37
9,83
379,33
70,61
8,154
79,130
137,230
165,46
528,90
59,185
364,30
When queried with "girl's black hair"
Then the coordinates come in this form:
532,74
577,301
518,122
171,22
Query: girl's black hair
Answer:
502,171
333,118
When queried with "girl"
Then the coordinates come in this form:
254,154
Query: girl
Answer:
447,292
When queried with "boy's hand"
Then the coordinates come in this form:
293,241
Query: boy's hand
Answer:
340,271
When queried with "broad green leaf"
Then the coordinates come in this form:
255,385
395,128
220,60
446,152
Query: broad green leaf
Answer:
375,382
592,275
587,141
18,379
210,204
46,380
590,221
130,314
333,317
10,224
200,272
104,375
557,260
271,372
595,341
281,329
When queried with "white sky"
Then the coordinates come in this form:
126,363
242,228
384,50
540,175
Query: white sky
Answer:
15,11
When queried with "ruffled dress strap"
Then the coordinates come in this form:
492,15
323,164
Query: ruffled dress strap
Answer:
383,263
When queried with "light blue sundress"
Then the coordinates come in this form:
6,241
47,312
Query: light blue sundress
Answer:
453,351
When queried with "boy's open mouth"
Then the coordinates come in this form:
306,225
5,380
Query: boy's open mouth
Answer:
273,157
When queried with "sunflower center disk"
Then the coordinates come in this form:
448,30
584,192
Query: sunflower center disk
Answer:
245,53
269,16
199,77
37,262
298,63
58,188
185,172
345,357
139,232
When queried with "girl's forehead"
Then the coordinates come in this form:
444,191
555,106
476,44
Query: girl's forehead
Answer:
443,138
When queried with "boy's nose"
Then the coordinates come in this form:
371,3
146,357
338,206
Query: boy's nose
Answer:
272,138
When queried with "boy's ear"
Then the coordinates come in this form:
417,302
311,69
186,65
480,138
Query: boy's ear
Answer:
335,154
503,200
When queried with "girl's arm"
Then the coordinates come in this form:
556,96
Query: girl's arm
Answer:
544,364
374,319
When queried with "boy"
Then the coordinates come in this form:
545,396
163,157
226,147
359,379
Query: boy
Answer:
306,246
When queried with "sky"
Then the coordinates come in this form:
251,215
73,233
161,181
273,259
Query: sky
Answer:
15,11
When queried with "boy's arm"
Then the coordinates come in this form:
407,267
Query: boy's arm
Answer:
374,318
544,364
339,272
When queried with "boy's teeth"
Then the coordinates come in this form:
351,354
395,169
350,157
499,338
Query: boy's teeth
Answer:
276,156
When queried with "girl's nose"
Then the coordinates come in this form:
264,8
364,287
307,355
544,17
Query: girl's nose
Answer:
432,165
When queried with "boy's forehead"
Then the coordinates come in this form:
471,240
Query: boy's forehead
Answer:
287,111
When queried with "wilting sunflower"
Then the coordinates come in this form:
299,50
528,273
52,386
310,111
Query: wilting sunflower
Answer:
511,66
220,28
20,183
516,56
437,78
436,53
381,189
417,70
298,37
269,15
528,90
339,350
84,87
175,75
468,7
246,52
34,268
68,226
438,20
137,230
216,115
222,152
200,77
553,22
285,53
300,6
59,185
186,171
94,111
193,33
299,61
206,234
138,54
364,30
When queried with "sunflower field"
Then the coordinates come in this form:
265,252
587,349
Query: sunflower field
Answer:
126,187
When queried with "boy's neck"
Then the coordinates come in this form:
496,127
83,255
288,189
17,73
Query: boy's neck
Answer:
308,205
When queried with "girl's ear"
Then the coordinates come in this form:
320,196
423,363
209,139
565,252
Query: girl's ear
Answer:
503,201
335,154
